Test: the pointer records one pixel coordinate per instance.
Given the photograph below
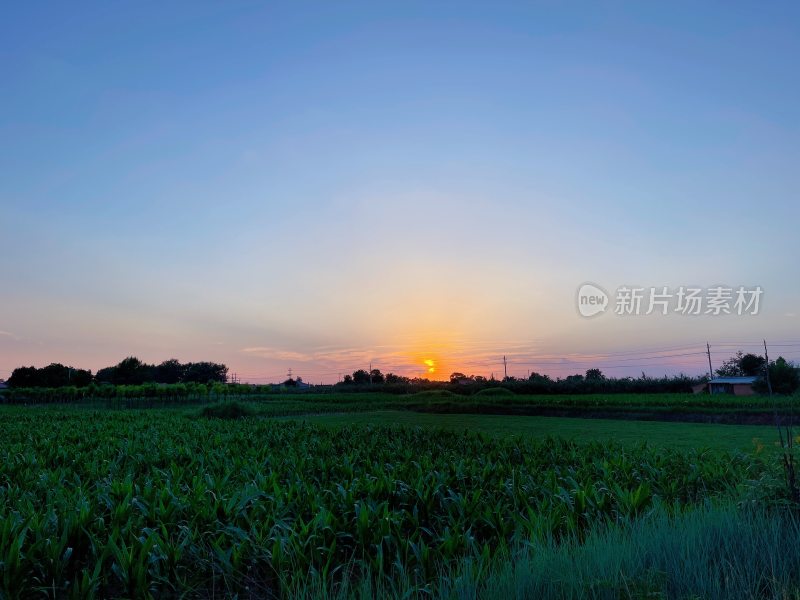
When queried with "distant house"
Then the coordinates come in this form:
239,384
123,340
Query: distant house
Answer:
738,386
3,385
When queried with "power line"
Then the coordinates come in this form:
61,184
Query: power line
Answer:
619,360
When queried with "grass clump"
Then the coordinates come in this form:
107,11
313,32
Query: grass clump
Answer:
227,410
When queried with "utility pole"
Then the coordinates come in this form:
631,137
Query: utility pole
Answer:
710,370
505,369
766,369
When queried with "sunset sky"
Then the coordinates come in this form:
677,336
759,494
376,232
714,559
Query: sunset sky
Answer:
321,186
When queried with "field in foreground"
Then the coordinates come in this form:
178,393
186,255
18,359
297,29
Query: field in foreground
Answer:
165,503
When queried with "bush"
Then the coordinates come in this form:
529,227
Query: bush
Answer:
495,392
436,396
227,410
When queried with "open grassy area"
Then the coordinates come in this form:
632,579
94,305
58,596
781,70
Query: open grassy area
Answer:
662,434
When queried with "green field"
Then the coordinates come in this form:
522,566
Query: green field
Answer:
441,401
626,432
169,503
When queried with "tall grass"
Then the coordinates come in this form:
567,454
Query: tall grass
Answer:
710,553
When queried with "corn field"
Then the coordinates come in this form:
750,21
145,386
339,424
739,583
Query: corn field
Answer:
97,503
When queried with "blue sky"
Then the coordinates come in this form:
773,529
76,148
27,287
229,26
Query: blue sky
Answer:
320,185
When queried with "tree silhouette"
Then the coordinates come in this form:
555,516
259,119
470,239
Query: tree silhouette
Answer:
751,364
594,375
170,371
361,377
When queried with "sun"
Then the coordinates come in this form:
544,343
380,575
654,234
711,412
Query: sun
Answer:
431,364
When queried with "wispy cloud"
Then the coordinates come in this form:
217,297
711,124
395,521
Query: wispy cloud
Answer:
277,354
9,334
328,362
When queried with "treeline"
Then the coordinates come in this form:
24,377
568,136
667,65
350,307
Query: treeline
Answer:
784,378
130,371
52,376
593,381
581,384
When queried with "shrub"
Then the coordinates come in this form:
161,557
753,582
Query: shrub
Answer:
227,410
495,392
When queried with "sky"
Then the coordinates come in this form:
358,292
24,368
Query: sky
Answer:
325,186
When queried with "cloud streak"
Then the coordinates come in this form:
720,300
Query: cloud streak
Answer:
277,354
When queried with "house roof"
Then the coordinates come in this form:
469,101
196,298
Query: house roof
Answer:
744,380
